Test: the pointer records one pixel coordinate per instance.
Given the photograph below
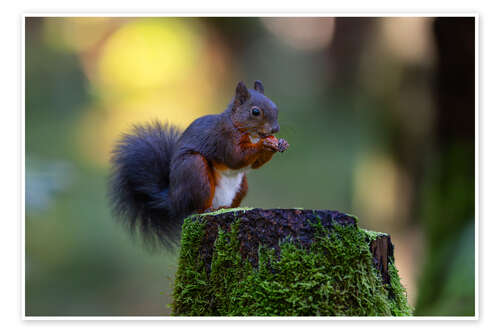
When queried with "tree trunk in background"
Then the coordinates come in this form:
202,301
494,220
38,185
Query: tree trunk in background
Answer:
447,283
351,36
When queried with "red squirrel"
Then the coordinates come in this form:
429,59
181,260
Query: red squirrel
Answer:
160,176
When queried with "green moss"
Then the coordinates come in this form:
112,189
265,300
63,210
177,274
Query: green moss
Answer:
335,276
371,235
399,301
191,283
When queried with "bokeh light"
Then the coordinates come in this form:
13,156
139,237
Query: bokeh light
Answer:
302,33
149,54
145,70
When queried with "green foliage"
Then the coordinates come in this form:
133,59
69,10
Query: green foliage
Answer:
334,277
447,282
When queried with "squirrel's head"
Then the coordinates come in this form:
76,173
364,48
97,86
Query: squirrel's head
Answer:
253,112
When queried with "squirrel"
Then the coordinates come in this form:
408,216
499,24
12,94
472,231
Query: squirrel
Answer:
159,176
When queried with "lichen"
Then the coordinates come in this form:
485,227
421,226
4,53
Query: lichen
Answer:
334,276
370,234
224,210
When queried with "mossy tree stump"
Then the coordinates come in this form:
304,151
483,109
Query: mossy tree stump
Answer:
285,262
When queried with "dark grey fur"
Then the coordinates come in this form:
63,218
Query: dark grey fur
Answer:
159,176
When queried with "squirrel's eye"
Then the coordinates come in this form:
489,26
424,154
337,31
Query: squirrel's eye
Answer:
255,111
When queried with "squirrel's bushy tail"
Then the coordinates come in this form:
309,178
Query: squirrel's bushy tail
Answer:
138,186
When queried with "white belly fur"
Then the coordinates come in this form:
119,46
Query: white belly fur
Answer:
228,184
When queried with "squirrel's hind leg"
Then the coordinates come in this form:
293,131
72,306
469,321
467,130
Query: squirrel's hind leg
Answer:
192,184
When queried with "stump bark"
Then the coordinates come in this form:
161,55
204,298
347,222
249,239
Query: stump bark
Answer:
285,262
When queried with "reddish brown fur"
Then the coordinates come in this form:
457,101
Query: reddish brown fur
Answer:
212,181
264,157
250,154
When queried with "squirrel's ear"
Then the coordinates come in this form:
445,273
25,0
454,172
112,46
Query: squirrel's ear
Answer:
259,86
242,94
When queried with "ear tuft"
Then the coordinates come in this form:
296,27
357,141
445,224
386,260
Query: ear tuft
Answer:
259,86
242,94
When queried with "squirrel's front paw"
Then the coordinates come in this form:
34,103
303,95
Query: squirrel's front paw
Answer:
271,143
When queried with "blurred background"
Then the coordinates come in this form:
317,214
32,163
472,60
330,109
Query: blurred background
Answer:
379,114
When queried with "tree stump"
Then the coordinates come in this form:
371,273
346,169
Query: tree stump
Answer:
285,262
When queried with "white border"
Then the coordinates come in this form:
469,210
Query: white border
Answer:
239,14
23,169
248,14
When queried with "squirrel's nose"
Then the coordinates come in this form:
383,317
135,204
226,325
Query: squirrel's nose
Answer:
275,129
